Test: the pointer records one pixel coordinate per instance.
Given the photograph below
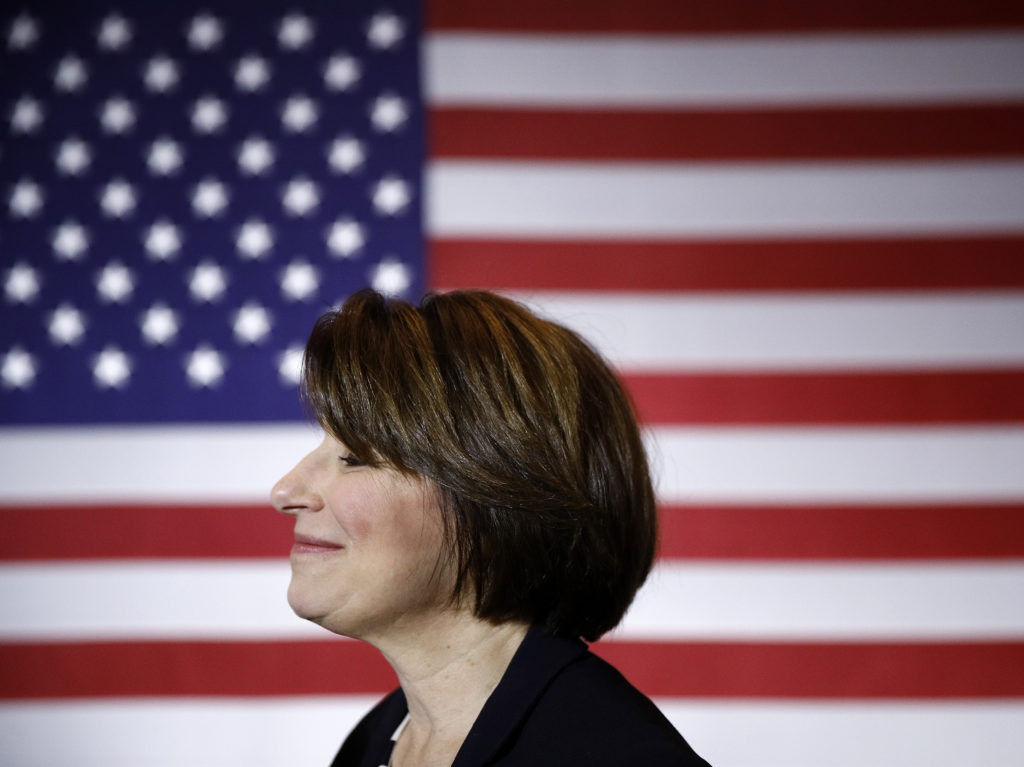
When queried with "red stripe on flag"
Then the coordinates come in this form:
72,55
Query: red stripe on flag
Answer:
842,532
739,134
914,397
727,532
702,16
798,670
677,669
143,532
159,668
953,263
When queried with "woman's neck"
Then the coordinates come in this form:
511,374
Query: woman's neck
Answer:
447,672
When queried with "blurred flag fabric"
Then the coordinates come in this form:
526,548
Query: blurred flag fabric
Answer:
796,230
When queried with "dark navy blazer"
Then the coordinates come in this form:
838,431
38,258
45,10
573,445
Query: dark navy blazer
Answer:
556,705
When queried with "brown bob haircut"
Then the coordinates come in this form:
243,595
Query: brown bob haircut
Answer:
531,441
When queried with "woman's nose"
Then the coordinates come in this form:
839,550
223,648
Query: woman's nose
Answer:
294,492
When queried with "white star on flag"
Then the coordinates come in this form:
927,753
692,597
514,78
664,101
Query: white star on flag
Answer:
299,114
165,156
115,283
391,277
346,154
22,284
345,237
252,73
255,156
295,31
251,324
388,113
117,115
115,33
301,196
161,74
209,114
73,156
204,366
207,282
23,34
385,31
159,324
67,325
299,281
70,241
391,196
118,198
209,198
205,32
289,365
254,239
341,72
26,199
162,240
71,74
26,116
111,368
18,369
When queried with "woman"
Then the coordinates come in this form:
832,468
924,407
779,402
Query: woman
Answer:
480,502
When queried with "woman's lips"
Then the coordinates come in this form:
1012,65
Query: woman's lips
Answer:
305,544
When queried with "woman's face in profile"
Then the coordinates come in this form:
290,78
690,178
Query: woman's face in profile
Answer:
368,542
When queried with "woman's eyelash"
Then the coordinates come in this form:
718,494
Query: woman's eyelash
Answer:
351,460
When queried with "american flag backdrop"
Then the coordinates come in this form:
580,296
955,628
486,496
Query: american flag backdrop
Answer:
796,229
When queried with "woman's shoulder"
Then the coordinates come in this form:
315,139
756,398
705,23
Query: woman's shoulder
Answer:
591,714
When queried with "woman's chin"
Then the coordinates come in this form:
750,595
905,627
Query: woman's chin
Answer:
304,604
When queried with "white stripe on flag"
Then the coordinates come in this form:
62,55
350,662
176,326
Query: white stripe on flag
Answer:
307,732
61,601
58,601
179,732
202,464
623,200
923,464
828,601
810,332
214,464
851,734
748,70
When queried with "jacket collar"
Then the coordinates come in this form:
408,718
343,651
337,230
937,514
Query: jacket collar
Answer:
539,658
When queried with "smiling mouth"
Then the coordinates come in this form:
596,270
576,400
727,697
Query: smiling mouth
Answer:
307,545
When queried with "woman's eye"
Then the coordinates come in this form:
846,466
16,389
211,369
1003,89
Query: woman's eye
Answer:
351,460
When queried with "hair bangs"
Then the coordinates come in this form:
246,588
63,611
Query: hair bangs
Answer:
370,378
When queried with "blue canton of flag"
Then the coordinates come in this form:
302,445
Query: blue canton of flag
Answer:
185,188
